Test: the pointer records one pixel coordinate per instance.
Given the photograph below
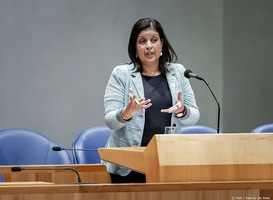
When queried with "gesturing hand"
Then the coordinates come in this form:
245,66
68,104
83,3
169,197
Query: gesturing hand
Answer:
134,105
178,107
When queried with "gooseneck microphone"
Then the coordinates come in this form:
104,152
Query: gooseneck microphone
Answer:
56,148
18,169
188,74
60,149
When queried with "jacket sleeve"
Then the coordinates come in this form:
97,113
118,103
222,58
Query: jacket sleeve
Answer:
115,97
189,101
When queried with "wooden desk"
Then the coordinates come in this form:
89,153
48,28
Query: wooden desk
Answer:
150,191
30,187
198,157
89,174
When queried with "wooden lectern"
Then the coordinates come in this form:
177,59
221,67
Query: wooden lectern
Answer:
199,157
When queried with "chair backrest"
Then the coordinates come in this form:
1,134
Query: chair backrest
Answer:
92,138
1,178
27,147
265,128
197,129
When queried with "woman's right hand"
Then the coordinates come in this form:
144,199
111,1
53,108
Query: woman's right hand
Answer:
134,105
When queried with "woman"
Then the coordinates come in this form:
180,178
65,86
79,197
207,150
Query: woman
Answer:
145,96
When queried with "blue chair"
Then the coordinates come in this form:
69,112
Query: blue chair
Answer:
197,129
265,128
27,147
92,138
1,178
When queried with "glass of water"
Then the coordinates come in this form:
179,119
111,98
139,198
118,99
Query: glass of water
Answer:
170,130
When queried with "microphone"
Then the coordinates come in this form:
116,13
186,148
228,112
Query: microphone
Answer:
188,74
56,148
61,149
18,169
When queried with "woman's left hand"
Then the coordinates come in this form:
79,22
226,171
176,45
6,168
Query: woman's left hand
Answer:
178,107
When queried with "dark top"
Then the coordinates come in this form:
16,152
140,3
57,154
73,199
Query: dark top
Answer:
157,89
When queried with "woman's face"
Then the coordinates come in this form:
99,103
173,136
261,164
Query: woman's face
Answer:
148,47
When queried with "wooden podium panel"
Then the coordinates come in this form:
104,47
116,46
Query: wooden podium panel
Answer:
199,157
95,173
139,191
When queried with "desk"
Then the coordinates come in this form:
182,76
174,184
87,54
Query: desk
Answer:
253,190
52,184
96,173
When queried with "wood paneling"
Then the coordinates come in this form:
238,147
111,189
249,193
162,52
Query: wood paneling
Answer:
141,191
199,157
88,174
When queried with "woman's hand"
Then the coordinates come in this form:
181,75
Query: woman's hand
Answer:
134,105
178,107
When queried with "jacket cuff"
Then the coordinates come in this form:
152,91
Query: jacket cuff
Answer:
120,118
187,114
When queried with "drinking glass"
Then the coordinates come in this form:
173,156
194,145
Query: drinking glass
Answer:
170,130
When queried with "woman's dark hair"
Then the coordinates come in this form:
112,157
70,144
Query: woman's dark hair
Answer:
168,53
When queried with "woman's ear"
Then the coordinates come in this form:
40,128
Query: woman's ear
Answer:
162,41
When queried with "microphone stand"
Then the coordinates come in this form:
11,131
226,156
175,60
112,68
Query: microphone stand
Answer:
18,169
57,148
188,74
218,118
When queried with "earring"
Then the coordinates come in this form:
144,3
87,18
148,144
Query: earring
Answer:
136,56
161,53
